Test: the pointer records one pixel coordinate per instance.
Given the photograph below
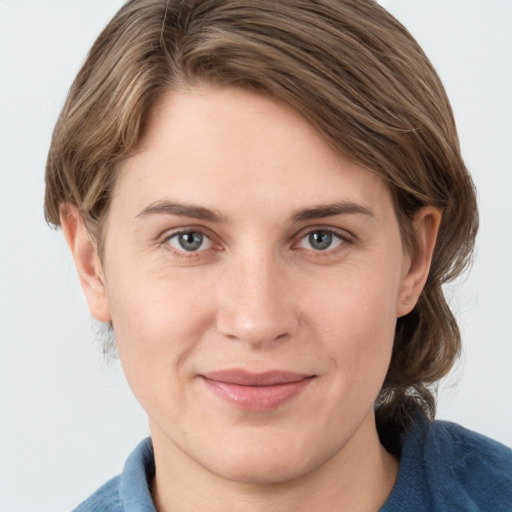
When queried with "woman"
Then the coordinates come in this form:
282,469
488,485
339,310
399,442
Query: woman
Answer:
263,200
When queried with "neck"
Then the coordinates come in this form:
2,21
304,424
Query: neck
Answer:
358,478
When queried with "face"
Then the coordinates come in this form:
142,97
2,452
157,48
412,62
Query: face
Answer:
253,277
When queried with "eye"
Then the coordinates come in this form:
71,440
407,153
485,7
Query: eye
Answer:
189,241
320,240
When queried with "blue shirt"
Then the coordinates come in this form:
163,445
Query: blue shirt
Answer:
443,467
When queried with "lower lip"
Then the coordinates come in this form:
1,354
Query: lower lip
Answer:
257,398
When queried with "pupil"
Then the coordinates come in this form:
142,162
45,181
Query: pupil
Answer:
190,241
320,240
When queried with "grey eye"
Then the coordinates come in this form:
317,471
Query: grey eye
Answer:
189,241
320,240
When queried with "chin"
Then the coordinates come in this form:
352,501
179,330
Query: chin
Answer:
262,471
266,462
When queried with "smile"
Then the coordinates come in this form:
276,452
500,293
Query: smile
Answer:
256,391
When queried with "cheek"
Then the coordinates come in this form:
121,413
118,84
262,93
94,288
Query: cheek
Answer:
356,321
158,332
154,301
158,322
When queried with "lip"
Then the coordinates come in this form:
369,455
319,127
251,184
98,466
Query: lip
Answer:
256,391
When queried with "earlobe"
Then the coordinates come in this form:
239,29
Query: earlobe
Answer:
85,255
426,226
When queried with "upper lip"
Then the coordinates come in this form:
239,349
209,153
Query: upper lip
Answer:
247,378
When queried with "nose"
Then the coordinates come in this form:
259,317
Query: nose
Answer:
257,304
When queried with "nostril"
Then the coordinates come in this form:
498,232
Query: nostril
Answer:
255,333
255,307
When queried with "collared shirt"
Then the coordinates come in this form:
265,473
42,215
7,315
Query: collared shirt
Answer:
443,467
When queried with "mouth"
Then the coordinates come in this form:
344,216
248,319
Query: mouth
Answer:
256,391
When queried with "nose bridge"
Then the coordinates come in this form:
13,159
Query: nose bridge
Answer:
256,306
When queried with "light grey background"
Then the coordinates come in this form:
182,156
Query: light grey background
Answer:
68,420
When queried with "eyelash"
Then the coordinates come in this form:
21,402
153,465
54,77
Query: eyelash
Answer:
183,253
343,237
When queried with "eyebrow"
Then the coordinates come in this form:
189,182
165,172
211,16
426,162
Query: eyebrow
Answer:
182,210
209,215
330,210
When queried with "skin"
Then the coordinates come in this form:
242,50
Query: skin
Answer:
256,295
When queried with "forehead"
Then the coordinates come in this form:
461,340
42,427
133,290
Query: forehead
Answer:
229,148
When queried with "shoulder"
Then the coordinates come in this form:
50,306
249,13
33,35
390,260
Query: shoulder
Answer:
469,466
467,449
105,499
444,466
130,491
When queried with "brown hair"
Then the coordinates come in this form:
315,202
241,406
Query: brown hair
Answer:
348,67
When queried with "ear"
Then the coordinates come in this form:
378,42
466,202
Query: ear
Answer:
87,262
417,266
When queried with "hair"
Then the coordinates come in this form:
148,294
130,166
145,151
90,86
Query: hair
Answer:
350,68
